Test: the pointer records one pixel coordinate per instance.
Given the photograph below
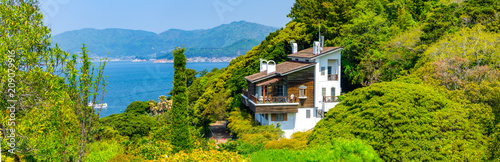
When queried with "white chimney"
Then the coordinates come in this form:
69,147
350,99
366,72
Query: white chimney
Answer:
263,65
316,48
271,67
322,42
294,46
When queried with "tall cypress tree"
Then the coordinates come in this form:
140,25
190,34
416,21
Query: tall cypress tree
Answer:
181,135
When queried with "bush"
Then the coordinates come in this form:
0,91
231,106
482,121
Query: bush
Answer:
337,150
149,149
138,107
103,151
129,124
126,158
298,141
403,122
201,155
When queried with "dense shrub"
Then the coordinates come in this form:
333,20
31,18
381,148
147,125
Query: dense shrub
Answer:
126,158
404,121
337,150
129,124
201,155
103,151
138,107
297,141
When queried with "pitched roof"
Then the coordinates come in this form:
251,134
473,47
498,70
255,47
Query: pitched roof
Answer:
308,53
281,69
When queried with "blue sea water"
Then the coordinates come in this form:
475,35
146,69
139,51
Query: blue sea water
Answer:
141,81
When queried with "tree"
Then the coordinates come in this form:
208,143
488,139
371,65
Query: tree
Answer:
54,121
181,131
138,107
405,120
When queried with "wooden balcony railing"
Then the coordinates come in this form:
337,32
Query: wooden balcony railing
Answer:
244,92
270,99
251,97
278,99
330,99
333,77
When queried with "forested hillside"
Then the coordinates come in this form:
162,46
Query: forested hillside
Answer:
421,82
222,41
450,46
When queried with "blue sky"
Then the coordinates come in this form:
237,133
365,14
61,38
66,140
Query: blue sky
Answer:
160,15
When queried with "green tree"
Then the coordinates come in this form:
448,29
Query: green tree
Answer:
54,122
404,120
181,131
138,107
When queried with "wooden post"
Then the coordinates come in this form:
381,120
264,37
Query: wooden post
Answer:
264,93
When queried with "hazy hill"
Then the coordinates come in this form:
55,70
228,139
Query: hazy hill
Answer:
224,40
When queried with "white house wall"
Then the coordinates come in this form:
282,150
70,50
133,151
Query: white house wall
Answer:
321,81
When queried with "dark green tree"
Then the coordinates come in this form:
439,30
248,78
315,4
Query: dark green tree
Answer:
181,131
404,120
138,107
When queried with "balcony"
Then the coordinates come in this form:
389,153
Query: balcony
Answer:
333,77
270,104
329,99
329,102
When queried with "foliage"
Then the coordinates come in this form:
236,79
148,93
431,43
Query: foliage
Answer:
126,158
129,124
182,135
138,107
150,149
298,141
108,133
404,121
204,155
53,121
103,151
337,150
261,134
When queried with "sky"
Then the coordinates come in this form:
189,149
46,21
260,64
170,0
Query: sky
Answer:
160,15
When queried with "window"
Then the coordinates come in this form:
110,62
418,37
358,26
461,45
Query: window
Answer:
296,59
308,113
322,71
279,117
329,70
307,60
324,91
281,90
333,91
302,91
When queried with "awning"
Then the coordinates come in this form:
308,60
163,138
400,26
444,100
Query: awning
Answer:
270,81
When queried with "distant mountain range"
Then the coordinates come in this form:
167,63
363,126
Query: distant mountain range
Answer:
225,40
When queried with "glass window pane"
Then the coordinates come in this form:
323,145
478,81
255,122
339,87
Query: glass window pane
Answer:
308,113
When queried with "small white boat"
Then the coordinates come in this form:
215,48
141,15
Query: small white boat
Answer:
97,106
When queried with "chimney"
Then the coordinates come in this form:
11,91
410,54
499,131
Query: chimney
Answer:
263,65
322,42
316,48
271,67
294,46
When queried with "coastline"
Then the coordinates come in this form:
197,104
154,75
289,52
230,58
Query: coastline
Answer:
161,61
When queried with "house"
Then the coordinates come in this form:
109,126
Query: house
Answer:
296,93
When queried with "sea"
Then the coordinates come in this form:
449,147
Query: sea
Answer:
141,81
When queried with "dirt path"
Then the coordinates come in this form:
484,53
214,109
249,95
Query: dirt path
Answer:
220,132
